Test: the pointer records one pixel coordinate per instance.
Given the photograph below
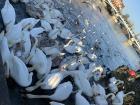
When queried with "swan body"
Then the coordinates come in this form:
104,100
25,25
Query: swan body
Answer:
14,35
46,25
8,14
73,49
92,57
55,103
36,31
27,43
100,100
118,99
52,51
54,33
80,100
19,72
82,82
28,23
65,34
56,23
56,14
50,81
40,62
61,93
5,52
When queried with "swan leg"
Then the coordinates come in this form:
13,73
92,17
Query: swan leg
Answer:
39,81
28,59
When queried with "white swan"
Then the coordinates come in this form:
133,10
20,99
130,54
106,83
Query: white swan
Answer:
65,34
56,14
113,82
5,52
61,93
8,15
28,23
92,56
14,35
73,49
50,81
54,33
80,100
55,103
26,44
36,31
52,51
19,72
82,82
39,61
118,99
46,25
100,95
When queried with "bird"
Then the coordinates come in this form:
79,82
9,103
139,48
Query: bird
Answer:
8,15
118,99
46,25
61,93
80,100
19,72
65,34
54,33
55,103
56,14
35,32
49,81
5,52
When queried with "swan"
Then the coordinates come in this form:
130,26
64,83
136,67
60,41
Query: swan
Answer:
113,82
36,31
73,49
39,61
65,34
28,23
54,33
92,57
80,100
82,82
51,51
46,25
14,35
8,15
19,72
100,95
5,52
55,103
118,99
61,93
56,24
27,43
56,14
50,81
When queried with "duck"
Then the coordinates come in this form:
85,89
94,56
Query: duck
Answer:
56,103
54,33
41,64
46,25
113,83
19,72
50,81
118,99
35,32
6,12
65,34
80,100
61,93
5,53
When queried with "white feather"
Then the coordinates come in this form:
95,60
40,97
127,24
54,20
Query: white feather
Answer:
46,25
65,34
36,31
54,33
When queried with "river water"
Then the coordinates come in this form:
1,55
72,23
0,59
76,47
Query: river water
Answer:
98,34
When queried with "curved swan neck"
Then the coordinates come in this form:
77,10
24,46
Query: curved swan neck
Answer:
132,92
110,94
119,82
